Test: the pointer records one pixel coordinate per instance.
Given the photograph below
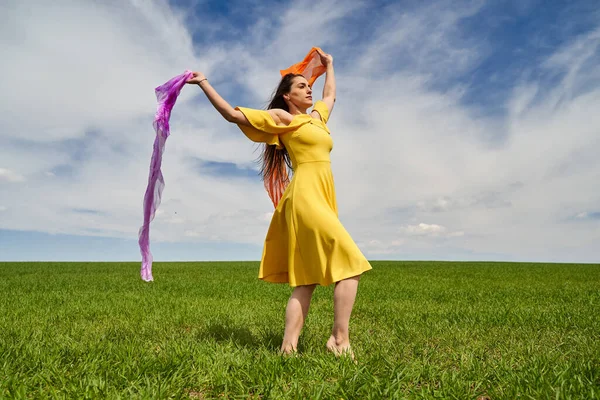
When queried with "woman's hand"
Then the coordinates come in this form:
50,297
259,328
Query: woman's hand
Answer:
196,78
326,59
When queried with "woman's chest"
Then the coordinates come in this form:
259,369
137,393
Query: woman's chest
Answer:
311,135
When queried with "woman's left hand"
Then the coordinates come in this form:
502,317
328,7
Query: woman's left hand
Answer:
326,59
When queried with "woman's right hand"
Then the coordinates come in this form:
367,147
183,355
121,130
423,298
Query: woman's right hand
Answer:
196,78
326,59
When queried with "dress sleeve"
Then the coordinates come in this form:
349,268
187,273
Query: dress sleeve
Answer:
263,129
321,108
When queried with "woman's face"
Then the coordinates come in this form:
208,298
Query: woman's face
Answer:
300,94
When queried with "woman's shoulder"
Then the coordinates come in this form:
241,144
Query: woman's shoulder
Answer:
320,111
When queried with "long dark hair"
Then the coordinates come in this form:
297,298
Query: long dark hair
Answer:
276,166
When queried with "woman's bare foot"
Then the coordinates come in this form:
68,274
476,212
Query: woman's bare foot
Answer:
288,351
341,348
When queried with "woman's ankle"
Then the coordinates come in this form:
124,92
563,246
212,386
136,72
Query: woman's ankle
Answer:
339,341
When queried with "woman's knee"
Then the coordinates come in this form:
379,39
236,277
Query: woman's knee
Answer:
304,290
350,279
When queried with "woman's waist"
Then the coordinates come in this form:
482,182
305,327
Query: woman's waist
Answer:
298,163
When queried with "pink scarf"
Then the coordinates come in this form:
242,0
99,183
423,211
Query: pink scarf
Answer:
166,95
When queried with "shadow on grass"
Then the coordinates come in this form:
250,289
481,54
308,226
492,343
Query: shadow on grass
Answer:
242,336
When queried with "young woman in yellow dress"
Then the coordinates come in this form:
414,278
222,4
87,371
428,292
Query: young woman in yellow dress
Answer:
306,244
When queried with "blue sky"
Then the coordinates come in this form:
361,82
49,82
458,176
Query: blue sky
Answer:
462,131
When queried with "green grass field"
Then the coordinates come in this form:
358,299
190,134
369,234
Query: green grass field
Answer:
420,330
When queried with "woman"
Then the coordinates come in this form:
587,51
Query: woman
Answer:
306,244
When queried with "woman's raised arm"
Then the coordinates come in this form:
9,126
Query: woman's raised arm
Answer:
329,86
223,107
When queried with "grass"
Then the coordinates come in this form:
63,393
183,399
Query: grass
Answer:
420,330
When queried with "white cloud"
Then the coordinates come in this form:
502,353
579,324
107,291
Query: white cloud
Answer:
429,230
7,175
424,229
75,65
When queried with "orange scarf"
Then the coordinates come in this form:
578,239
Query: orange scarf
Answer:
311,67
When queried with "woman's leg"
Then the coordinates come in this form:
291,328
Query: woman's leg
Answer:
344,295
295,314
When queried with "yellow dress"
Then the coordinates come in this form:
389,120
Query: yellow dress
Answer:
306,243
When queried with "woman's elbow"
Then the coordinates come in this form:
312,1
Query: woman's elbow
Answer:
229,118
237,117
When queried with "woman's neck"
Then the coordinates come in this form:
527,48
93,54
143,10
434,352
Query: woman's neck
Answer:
297,111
